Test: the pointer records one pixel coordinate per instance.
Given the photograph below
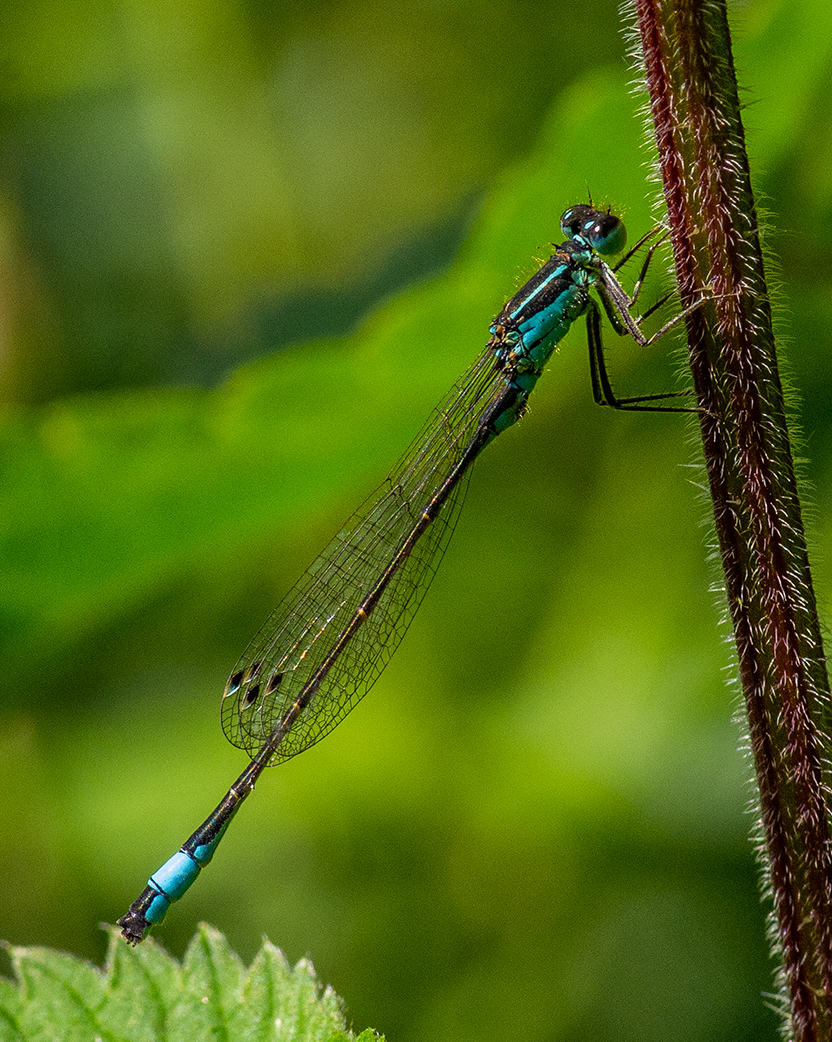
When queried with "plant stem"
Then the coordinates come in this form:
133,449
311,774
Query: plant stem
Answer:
685,51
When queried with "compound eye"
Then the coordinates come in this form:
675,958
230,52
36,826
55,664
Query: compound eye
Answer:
607,234
570,223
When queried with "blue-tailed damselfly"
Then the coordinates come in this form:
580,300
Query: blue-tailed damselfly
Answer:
332,635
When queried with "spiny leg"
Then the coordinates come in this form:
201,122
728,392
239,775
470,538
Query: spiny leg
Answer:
615,297
602,389
631,300
617,306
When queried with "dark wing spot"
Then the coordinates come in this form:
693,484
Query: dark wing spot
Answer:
250,696
233,684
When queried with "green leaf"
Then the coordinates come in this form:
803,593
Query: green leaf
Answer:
143,994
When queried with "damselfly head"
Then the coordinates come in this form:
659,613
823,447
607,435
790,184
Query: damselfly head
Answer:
602,231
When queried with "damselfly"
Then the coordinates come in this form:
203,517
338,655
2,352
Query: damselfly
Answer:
332,635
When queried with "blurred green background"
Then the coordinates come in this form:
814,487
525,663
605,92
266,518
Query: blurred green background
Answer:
244,249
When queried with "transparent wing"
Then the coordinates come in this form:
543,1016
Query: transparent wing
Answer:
310,621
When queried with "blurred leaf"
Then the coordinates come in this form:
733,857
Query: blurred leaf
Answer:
104,498
186,187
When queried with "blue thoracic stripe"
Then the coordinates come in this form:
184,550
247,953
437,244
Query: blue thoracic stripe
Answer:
331,636
560,271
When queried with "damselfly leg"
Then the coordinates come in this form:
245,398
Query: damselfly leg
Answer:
618,307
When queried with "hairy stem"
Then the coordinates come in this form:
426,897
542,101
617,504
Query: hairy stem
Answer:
685,51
